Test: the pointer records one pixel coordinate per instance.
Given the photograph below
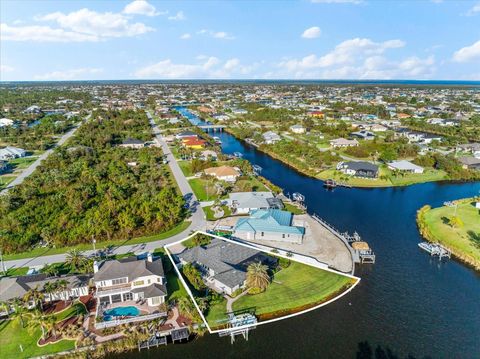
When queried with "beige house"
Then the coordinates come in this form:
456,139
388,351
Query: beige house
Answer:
342,142
224,173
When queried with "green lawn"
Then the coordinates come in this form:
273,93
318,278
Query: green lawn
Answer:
12,335
463,241
185,167
199,187
175,288
77,308
38,252
209,213
411,178
252,184
216,314
294,288
355,181
294,209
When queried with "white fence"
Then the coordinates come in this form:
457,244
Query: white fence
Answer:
141,318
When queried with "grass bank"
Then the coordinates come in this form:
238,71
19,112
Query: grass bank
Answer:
462,240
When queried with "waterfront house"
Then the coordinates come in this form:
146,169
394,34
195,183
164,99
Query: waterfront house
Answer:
405,166
246,202
469,162
193,142
10,153
130,279
132,143
363,134
184,134
207,155
358,169
270,137
17,287
342,142
269,224
223,173
223,265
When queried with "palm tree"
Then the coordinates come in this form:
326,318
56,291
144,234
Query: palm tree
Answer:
185,307
50,325
20,310
75,259
50,270
61,286
50,288
202,304
35,296
257,276
39,320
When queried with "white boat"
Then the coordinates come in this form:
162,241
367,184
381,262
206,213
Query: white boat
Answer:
435,249
238,154
217,140
298,197
257,168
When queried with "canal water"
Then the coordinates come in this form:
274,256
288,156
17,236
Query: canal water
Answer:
406,301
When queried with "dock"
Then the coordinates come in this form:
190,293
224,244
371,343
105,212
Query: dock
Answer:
435,249
239,323
161,338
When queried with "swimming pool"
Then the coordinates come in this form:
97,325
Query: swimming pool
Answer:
120,312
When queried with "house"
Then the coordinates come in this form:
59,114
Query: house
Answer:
377,128
3,166
363,134
405,166
9,153
193,142
223,173
17,287
223,265
185,134
297,129
358,169
342,142
317,114
473,148
33,109
270,137
130,279
208,154
132,143
246,202
469,162
269,224
4,122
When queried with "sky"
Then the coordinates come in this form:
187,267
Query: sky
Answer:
305,39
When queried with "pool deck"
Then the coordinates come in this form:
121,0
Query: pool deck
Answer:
144,308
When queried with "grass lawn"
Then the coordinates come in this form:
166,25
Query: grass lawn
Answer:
185,167
252,184
294,209
216,314
295,288
6,179
12,335
354,181
199,187
76,308
175,288
38,252
411,178
13,272
463,241
209,213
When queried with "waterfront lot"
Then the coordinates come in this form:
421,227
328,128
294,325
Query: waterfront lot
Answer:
464,240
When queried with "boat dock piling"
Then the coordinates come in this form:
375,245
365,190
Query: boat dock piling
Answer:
160,338
435,249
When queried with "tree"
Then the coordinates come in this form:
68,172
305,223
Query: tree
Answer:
75,259
49,288
39,320
257,276
35,296
62,285
202,304
50,270
20,310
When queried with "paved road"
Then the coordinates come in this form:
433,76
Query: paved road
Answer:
29,170
197,218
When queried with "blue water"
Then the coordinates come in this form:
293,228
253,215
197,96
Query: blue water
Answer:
407,301
121,311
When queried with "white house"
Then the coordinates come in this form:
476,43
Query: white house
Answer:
130,279
405,166
4,122
223,173
297,129
270,137
9,153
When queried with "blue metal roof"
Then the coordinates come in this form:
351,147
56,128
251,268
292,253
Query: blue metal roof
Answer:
271,220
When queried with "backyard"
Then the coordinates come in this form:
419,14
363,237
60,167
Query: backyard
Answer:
295,288
464,239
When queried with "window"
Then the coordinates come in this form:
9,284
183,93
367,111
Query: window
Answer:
283,235
262,234
148,281
119,281
155,300
127,296
138,283
158,280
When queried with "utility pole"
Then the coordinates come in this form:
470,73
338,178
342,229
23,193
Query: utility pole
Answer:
2,263
93,243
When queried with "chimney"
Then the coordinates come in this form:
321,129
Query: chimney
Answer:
95,267
150,257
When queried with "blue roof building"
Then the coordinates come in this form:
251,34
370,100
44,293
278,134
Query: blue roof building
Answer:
269,224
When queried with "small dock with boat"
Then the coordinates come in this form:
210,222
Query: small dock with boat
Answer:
331,184
435,249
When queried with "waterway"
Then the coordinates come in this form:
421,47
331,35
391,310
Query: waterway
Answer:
407,301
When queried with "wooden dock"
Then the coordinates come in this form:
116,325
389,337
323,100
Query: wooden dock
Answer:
161,338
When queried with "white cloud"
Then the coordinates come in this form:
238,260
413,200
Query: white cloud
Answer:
208,67
72,74
186,36
42,34
468,53
141,7
474,10
312,32
216,34
357,58
6,68
355,2
101,25
178,16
